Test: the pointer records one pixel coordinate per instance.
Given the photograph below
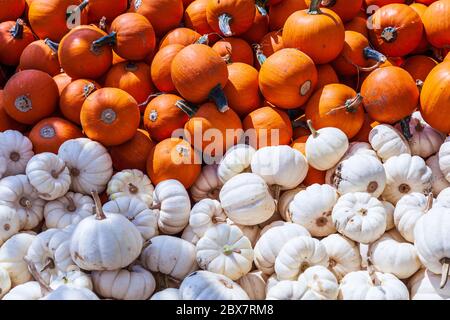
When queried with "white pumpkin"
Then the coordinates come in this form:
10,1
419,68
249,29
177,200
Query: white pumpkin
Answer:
251,232
254,284
438,181
287,290
343,255
134,283
137,212
285,200
189,235
105,241
12,253
205,285
393,254
405,174
388,142
17,193
207,185
272,281
424,285
389,214
272,240
67,210
9,223
131,183
49,175
443,199
224,249
205,214
5,282
359,148
408,210
70,293
17,150
172,200
74,277
169,255
236,160
3,163
30,290
167,294
312,208
444,159
297,255
246,199
360,217
325,147
89,163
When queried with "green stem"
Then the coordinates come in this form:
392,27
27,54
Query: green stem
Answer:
17,31
187,108
224,24
218,96
108,39
314,7
52,45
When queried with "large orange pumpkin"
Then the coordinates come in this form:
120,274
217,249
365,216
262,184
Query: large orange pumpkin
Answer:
435,98
62,80
288,78
345,9
423,45
161,67
419,66
199,73
358,24
49,134
41,55
106,8
11,9
258,29
436,20
134,153
326,75
14,38
110,116
230,17
183,36
163,116
279,12
6,122
234,50
195,18
174,158
389,94
336,105
73,96
30,95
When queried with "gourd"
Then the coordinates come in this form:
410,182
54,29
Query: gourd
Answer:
105,241
169,255
254,284
388,142
360,217
30,290
131,183
204,215
15,37
236,160
444,159
223,249
438,181
312,208
67,210
5,282
406,174
134,283
89,164
207,185
49,175
230,17
16,150
9,223
167,294
424,285
244,207
205,285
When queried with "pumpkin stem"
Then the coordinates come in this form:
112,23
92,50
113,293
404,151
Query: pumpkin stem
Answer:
261,7
445,271
99,214
26,203
37,276
351,105
55,174
314,132
429,205
259,54
328,3
88,89
314,7
14,156
108,116
404,124
389,34
227,250
218,219
372,54
155,206
17,30
204,39
49,264
224,24
276,191
187,107
218,96
79,8
52,45
108,39
372,274
132,188
71,207
419,84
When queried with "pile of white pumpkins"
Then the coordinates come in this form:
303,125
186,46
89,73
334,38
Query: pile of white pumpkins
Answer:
247,229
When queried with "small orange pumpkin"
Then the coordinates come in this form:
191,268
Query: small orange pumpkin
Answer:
259,28
195,18
62,80
234,50
14,38
423,45
6,122
326,75
41,55
358,24
279,12
183,36
230,17
436,20
345,9
11,9
106,8
419,66
161,67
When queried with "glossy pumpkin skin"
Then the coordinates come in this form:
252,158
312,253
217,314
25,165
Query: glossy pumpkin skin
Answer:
242,14
161,67
242,90
234,50
358,24
346,10
49,134
195,17
6,122
326,75
397,30
162,116
322,109
390,94
196,70
30,96
73,96
271,43
62,80
423,45
436,20
419,66
40,56
12,43
79,58
11,9
106,8
110,116
174,158
183,36
259,28
132,154
287,78
164,15
279,12
435,98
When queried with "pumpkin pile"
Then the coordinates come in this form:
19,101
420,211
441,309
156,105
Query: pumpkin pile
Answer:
333,181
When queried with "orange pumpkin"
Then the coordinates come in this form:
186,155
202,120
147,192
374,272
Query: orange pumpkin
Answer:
426,2
279,12
6,122
106,8
234,50
230,17
161,67
358,24
389,94
271,43
299,144
435,98
326,75
49,134
345,9
51,19
317,32
419,66
258,29
288,78
336,105
183,36
164,15
110,116
268,126
11,9
80,57
363,133
174,158
381,3
436,20
396,30
195,18
199,73
14,38
134,153
62,80
41,55
163,116
423,45
73,97
30,96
